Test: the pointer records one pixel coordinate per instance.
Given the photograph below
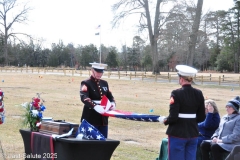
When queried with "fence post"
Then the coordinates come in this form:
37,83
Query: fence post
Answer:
202,79
118,74
142,76
169,78
108,74
72,72
210,77
135,73
223,77
155,77
64,71
130,75
219,82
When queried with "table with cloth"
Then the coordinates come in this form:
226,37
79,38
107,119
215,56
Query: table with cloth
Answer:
44,147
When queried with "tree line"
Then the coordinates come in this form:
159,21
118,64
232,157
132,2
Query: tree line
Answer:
181,35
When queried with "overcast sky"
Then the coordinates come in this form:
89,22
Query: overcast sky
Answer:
75,21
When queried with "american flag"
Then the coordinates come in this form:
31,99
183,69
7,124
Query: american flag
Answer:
132,116
89,131
126,115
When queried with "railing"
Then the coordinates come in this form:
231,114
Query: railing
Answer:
200,78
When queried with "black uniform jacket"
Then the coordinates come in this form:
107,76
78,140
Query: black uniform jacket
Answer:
90,91
186,100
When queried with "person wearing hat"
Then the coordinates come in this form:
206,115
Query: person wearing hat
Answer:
227,136
91,92
187,109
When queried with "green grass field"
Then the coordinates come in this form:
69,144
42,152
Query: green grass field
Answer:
138,140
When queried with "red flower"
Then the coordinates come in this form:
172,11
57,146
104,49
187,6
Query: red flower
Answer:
36,105
37,100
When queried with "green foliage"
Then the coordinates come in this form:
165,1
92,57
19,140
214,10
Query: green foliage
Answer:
147,61
214,52
224,62
111,59
89,54
29,120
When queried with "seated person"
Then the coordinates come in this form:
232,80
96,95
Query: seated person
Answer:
211,122
227,136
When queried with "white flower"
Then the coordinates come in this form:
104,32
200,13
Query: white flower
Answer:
35,113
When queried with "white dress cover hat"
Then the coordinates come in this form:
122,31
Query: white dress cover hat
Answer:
99,67
185,70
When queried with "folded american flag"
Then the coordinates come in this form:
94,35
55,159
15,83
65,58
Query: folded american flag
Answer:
126,115
89,131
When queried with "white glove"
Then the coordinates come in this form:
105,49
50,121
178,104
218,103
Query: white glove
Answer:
161,119
113,106
99,109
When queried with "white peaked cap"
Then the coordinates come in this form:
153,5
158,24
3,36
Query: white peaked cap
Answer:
185,70
98,65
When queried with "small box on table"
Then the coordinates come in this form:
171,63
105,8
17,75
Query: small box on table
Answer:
58,127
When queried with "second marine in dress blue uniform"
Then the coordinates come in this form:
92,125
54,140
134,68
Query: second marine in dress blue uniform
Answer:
186,110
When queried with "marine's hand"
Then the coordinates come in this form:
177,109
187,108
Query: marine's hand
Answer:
99,109
113,106
161,119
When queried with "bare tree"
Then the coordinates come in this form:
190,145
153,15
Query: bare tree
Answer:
6,8
193,35
141,7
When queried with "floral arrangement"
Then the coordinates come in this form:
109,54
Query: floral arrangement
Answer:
33,115
2,117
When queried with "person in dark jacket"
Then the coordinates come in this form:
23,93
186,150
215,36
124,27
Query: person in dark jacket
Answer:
227,136
211,123
186,111
91,92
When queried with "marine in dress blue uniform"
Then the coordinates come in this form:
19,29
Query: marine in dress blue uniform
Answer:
186,110
91,92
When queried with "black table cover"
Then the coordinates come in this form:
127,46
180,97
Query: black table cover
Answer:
73,149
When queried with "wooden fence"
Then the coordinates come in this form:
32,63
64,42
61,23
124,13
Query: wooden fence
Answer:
200,78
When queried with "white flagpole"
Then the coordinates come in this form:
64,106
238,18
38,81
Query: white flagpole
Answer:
100,42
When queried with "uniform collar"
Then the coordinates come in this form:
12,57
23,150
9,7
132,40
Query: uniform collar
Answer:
186,85
94,79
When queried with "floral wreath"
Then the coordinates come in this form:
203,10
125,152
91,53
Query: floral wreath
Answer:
33,115
2,111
